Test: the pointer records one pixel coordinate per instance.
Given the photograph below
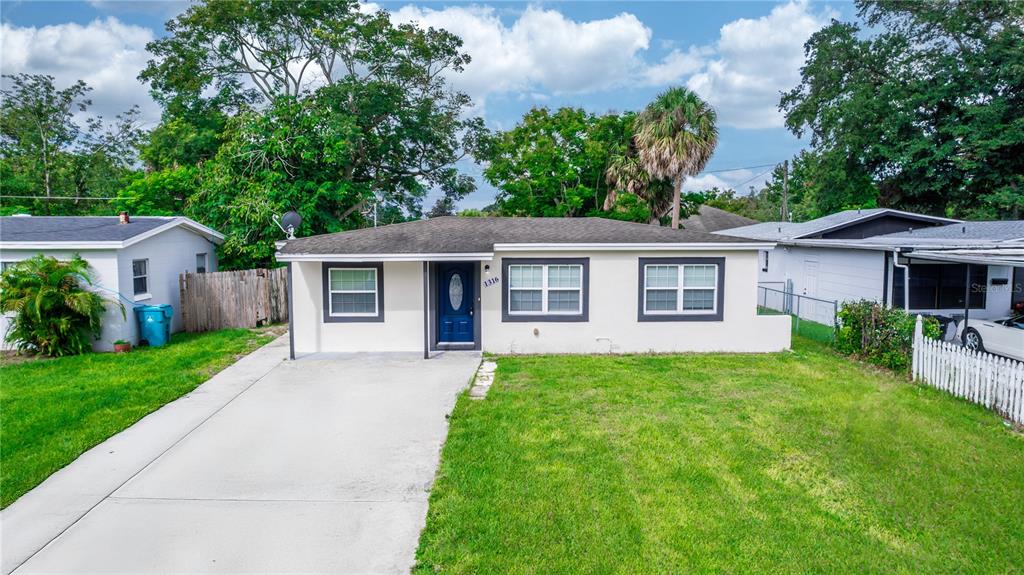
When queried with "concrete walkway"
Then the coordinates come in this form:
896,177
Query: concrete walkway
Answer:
322,465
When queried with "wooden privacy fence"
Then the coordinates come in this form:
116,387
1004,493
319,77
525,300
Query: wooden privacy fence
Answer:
243,298
993,381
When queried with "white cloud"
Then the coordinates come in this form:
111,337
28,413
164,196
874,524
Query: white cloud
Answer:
676,65
541,50
107,54
755,60
740,180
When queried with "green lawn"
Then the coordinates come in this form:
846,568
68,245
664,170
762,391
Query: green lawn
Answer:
53,410
799,462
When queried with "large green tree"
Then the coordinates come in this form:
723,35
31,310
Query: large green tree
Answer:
552,163
926,102
46,152
326,110
675,137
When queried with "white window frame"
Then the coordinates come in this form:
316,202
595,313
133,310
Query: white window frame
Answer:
140,295
681,289
331,292
206,262
545,290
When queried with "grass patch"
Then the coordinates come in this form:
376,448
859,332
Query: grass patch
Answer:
55,409
779,463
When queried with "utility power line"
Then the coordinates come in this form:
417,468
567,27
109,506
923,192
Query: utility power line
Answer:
75,197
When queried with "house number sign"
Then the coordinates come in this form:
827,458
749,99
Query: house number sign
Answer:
491,281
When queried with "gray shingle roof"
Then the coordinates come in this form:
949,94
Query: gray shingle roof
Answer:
75,228
455,234
996,231
709,219
776,231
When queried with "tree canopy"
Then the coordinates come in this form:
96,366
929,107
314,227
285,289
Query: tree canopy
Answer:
45,152
552,163
924,107
313,106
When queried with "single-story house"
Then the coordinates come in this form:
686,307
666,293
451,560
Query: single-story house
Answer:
527,285
135,260
922,263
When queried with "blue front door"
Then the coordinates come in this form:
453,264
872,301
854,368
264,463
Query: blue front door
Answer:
455,304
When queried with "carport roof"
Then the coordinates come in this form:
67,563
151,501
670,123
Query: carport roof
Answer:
467,235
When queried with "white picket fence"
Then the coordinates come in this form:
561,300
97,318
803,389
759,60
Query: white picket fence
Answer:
993,381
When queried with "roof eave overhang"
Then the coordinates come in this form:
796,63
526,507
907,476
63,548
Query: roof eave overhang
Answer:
61,245
966,259
609,247
425,257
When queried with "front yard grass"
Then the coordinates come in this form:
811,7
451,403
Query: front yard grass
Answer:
800,462
53,410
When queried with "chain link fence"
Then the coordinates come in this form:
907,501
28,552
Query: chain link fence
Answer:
813,318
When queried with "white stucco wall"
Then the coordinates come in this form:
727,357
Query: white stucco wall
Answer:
104,267
401,330
613,324
170,254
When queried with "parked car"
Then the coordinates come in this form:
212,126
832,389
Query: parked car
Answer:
1004,336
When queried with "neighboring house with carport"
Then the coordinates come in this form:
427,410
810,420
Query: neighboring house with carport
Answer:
527,285
921,263
135,260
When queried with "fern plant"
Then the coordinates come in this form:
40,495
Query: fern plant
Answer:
55,312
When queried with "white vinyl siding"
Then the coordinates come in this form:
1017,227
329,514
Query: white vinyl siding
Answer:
680,289
353,292
548,289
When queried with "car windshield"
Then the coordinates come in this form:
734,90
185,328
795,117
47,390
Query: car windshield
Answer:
1017,322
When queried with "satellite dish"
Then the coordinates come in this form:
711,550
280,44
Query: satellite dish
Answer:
288,223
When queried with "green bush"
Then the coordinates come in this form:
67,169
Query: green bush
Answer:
878,334
55,313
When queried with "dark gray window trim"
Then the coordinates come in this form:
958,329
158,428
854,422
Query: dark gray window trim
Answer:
325,273
719,305
545,318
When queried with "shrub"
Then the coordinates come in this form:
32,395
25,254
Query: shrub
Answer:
878,334
54,312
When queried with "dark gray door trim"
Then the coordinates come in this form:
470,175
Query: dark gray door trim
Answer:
477,313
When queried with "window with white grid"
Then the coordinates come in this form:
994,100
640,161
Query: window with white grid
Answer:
679,289
545,289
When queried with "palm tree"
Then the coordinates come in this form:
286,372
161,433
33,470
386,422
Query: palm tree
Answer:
625,173
675,137
55,311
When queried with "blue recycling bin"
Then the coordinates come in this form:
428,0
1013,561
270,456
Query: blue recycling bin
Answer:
155,323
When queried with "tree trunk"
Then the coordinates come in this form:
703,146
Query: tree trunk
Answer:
677,193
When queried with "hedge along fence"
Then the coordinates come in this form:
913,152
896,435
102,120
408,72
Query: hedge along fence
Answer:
880,335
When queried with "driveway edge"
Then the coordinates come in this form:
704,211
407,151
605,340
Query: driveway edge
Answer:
42,514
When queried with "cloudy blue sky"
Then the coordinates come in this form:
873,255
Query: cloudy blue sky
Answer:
597,55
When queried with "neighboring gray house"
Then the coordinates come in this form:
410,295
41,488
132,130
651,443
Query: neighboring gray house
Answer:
892,256
136,260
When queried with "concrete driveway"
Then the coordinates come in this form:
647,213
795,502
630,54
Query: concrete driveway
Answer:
322,465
